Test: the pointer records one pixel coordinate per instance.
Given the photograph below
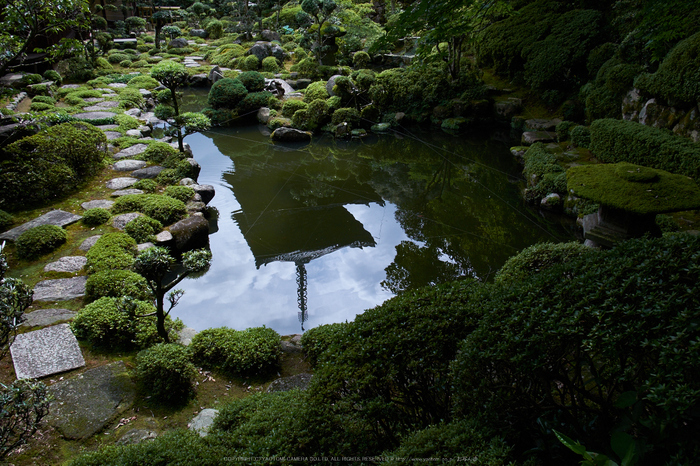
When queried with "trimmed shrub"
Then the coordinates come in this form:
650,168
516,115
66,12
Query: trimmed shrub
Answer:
143,82
270,65
116,58
290,107
146,185
226,93
347,115
165,209
181,193
40,240
253,101
626,141
251,351
159,152
315,90
563,129
581,136
6,220
111,251
361,59
215,29
317,340
40,107
252,81
44,99
115,284
143,228
251,63
166,373
168,176
130,97
96,216
535,258
51,75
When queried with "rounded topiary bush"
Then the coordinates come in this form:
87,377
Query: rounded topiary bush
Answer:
116,283
166,373
96,216
167,177
52,75
146,185
315,90
117,58
158,152
40,240
252,80
143,228
581,136
181,193
251,63
535,258
40,107
226,93
165,209
360,59
110,252
348,115
270,64
251,351
290,107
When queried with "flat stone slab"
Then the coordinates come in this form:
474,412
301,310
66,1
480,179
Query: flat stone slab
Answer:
44,317
88,243
85,404
148,172
126,192
128,165
97,204
94,115
61,289
203,421
55,217
67,264
134,133
120,221
92,100
112,135
101,106
130,152
118,85
121,183
531,137
143,246
107,127
300,381
164,237
44,352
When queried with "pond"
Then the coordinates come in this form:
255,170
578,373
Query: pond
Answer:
315,234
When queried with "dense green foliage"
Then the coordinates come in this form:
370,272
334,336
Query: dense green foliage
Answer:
625,141
40,240
181,193
143,228
227,93
252,81
290,107
530,261
165,372
318,339
116,283
6,220
95,216
251,351
111,251
165,209
49,164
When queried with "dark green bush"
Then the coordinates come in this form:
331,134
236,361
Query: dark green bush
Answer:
538,257
115,284
166,373
181,193
51,75
251,63
270,65
96,216
143,228
253,101
290,107
215,29
603,97
361,59
317,340
111,251
168,176
49,164
315,90
615,141
146,185
6,220
111,323
252,81
115,58
581,136
251,351
40,240
563,130
226,93
158,152
538,161
346,115
165,209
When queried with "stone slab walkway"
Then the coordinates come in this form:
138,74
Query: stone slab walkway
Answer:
44,352
55,217
45,317
67,264
61,289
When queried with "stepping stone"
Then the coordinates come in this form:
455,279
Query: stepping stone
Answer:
67,264
531,137
120,221
164,237
108,104
117,85
44,352
130,152
97,204
71,86
101,106
134,133
146,93
121,183
134,112
93,100
135,436
112,135
126,192
143,246
300,381
55,217
85,404
44,317
107,127
94,115
61,289
127,165
88,243
148,172
194,57
202,422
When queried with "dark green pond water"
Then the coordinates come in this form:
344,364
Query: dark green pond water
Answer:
337,227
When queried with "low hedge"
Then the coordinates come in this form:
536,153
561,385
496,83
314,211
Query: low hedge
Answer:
165,209
626,141
165,372
95,217
111,251
537,257
40,240
251,351
116,283
143,228
317,340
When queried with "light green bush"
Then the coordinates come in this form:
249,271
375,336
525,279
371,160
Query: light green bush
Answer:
165,209
251,351
290,107
315,90
111,251
40,240
96,216
182,193
115,284
143,228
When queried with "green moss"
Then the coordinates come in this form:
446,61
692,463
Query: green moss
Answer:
637,190
227,93
165,209
315,90
143,228
111,251
95,217
40,240
115,284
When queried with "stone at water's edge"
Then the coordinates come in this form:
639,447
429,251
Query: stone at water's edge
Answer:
284,134
148,172
55,217
206,191
203,421
190,233
61,289
67,264
44,352
85,404
45,317
539,124
530,137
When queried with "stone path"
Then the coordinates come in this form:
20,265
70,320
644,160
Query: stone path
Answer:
128,165
55,217
46,317
88,243
119,222
126,192
121,183
97,203
130,152
44,352
67,264
61,289
203,421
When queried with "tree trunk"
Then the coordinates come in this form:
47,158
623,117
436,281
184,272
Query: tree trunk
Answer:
160,315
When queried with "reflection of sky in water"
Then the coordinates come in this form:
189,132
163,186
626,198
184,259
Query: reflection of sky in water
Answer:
236,294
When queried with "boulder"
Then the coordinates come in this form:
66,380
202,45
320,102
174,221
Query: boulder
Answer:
331,83
300,381
198,33
279,53
134,112
536,124
215,74
284,134
62,289
88,243
119,222
121,183
260,49
128,165
195,169
134,133
530,137
508,108
551,201
178,43
126,192
112,135
263,115
381,128
206,191
190,233
95,115
148,172
69,264
195,206
164,237
269,35
199,80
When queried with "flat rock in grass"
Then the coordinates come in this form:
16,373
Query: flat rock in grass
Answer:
85,404
126,192
71,86
94,115
164,237
143,246
134,112
132,151
46,351
61,289
101,106
88,243
107,127
202,422
97,204
136,436
121,183
117,85
44,317
134,133
300,381
148,172
93,100
67,264
120,221
112,135
128,165
55,217
530,137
